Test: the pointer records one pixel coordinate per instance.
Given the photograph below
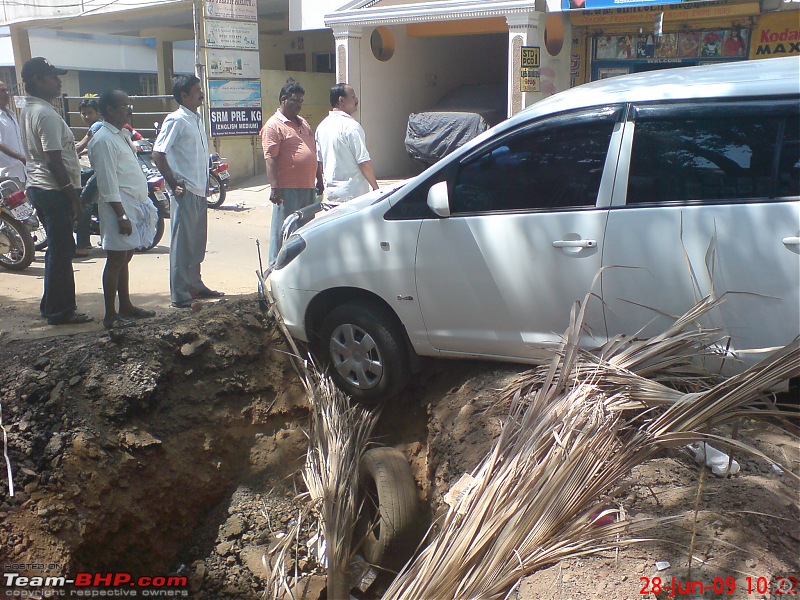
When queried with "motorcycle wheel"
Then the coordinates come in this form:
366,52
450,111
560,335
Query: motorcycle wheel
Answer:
216,195
21,251
158,236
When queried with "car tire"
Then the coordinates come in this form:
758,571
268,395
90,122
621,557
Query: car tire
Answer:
364,350
388,525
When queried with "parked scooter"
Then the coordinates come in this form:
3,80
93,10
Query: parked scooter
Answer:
17,219
155,188
217,173
218,176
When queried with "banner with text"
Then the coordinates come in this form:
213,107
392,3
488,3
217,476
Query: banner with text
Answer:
235,121
239,10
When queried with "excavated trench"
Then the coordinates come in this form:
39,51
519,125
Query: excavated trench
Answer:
173,447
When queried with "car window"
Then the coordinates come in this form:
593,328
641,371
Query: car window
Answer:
708,159
538,169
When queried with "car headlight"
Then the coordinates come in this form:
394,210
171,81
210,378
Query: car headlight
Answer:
291,248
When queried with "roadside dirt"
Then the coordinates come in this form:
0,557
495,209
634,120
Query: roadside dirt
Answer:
174,447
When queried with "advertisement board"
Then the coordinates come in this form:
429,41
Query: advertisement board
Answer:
239,10
231,34
233,64
235,121
234,93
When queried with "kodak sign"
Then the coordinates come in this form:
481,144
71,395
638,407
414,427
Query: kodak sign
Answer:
777,34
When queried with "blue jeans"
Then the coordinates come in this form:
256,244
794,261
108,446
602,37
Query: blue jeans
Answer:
83,236
293,200
55,211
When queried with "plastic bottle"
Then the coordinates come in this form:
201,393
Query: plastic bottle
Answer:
714,459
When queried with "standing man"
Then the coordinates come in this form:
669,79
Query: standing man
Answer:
291,157
181,154
90,113
54,177
342,149
12,151
127,217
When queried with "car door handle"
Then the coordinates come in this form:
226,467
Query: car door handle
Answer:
791,241
575,244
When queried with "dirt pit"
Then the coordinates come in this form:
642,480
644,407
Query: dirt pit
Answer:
173,448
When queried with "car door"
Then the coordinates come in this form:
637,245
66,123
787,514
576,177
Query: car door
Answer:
711,203
523,242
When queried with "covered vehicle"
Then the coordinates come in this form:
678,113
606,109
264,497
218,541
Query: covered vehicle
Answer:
460,115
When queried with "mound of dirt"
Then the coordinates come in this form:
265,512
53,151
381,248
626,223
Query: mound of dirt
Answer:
173,448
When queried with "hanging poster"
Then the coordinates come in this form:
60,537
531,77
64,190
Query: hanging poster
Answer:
239,10
231,34
233,64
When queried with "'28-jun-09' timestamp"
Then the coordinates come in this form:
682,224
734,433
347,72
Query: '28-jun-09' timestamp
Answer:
674,587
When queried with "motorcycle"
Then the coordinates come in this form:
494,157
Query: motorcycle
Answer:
217,173
218,176
156,192
17,218
144,153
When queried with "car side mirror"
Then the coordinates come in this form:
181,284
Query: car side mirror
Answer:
439,199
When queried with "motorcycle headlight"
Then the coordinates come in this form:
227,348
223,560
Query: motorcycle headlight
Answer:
293,246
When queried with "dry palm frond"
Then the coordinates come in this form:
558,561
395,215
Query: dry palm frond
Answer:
339,435
561,448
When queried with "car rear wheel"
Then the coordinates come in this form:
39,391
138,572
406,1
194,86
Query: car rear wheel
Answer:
365,352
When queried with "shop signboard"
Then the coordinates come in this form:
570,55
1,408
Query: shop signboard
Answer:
529,72
233,64
239,10
231,34
673,13
777,34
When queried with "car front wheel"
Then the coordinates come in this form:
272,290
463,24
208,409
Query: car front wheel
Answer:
364,349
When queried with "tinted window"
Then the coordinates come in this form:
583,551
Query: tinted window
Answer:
703,159
544,168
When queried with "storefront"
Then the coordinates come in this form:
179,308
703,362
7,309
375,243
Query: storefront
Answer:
616,41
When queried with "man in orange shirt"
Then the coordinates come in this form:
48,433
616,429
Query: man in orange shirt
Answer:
291,157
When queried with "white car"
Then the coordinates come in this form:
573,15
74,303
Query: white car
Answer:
673,180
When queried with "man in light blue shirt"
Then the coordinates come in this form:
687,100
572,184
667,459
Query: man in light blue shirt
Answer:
181,154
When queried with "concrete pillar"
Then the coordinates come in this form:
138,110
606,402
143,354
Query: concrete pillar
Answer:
21,46
348,55
553,72
166,68
523,30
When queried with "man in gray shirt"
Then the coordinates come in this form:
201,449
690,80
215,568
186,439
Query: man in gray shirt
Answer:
54,177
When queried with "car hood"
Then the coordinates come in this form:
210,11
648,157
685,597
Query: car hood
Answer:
351,206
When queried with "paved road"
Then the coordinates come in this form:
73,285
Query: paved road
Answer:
230,265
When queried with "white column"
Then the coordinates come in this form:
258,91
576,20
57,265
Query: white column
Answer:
523,30
348,55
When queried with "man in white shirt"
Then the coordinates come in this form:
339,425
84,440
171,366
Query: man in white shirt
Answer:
12,151
181,154
342,149
127,216
54,177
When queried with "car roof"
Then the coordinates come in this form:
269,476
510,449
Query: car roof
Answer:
768,77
